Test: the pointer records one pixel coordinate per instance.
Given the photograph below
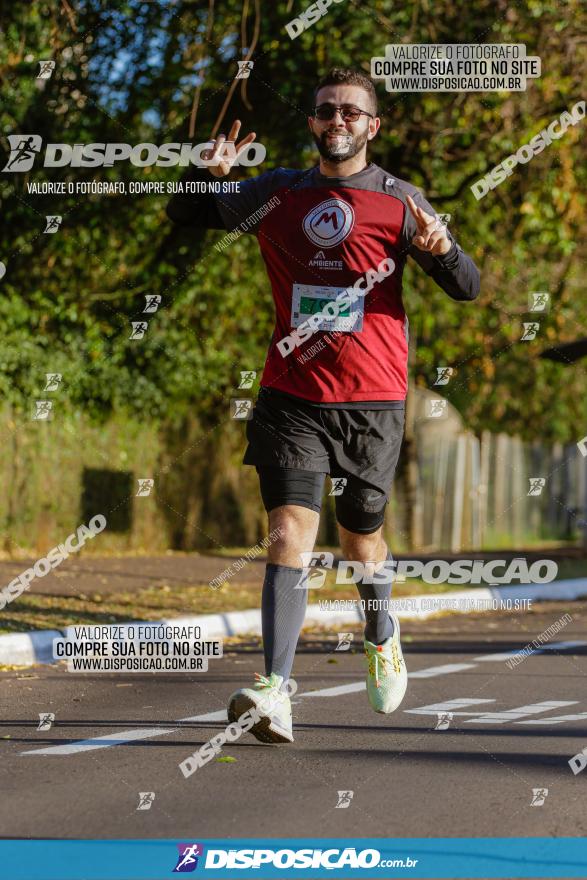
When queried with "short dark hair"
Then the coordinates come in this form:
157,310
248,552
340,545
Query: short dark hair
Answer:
346,76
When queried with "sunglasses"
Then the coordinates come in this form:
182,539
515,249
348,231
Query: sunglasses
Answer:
349,112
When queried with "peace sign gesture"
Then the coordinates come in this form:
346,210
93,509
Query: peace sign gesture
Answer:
224,160
431,233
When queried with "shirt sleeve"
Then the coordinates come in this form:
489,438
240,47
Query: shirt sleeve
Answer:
454,272
243,209
196,209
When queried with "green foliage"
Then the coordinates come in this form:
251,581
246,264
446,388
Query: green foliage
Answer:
128,73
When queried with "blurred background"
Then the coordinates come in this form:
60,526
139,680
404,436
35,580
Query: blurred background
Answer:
159,407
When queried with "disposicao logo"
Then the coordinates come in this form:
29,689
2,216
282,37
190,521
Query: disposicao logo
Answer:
24,149
187,860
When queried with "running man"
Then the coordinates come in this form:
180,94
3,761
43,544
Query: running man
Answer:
332,395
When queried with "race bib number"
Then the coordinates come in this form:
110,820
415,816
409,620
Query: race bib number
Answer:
310,299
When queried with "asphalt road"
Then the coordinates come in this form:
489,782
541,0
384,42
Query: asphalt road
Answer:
475,778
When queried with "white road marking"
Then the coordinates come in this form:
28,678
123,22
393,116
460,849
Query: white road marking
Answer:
433,671
337,691
356,686
519,712
488,658
117,739
220,715
100,742
450,706
558,719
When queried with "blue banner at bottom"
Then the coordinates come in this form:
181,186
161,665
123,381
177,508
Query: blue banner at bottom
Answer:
449,857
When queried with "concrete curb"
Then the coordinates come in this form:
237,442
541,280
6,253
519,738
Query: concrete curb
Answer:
26,649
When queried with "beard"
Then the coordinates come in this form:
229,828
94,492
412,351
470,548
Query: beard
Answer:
344,147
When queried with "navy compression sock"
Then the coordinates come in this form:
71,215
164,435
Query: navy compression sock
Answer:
283,608
375,599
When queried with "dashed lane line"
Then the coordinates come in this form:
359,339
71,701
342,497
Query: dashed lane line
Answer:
127,736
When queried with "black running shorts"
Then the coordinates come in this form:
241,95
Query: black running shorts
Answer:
294,444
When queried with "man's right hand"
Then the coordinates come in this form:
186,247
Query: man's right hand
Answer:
222,164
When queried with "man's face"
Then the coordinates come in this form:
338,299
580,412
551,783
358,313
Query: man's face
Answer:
338,140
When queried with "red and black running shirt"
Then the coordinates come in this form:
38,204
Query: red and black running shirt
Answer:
319,235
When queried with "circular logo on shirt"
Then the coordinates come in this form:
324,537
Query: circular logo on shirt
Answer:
329,223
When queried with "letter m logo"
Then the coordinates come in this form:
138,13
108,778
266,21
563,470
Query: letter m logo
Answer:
327,217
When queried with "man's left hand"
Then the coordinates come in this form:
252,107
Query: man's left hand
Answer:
432,234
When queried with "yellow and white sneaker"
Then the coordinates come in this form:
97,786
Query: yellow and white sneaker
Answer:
387,676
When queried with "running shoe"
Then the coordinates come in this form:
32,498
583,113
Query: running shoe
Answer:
270,706
387,677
